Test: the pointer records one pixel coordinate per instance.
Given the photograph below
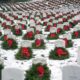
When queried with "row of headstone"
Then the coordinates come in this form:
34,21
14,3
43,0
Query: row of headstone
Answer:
28,6
69,72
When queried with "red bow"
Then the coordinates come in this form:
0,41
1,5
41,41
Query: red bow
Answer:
48,27
58,30
52,35
60,52
70,26
10,42
5,37
50,20
17,31
38,42
76,34
23,26
37,32
41,71
66,27
54,25
25,52
64,19
30,34
45,23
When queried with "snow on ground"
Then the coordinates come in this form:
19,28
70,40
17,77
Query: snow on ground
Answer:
54,65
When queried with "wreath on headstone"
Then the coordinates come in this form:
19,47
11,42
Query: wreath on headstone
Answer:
38,72
59,53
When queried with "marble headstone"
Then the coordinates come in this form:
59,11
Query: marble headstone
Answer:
68,36
39,60
12,74
60,43
71,72
53,30
26,43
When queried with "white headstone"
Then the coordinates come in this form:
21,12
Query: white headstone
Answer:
39,60
71,72
66,23
78,56
7,31
30,29
12,74
39,36
77,27
68,36
26,43
44,14
60,26
60,19
23,22
31,21
39,27
17,27
53,30
49,23
15,21
60,43
11,36
37,18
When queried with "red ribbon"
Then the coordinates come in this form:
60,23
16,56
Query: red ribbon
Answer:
37,32
76,34
5,37
10,42
60,52
25,52
41,71
52,35
38,42
58,30
17,31
29,34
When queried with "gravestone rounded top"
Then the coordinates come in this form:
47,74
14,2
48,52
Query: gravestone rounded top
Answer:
39,60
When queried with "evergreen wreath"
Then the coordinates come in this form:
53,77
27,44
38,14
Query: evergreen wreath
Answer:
59,54
24,53
38,72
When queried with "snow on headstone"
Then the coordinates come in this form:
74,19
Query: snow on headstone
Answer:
26,43
71,72
77,27
60,26
23,22
39,36
66,23
53,30
39,60
44,14
49,23
60,43
11,36
7,31
17,27
30,29
39,27
12,74
67,36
